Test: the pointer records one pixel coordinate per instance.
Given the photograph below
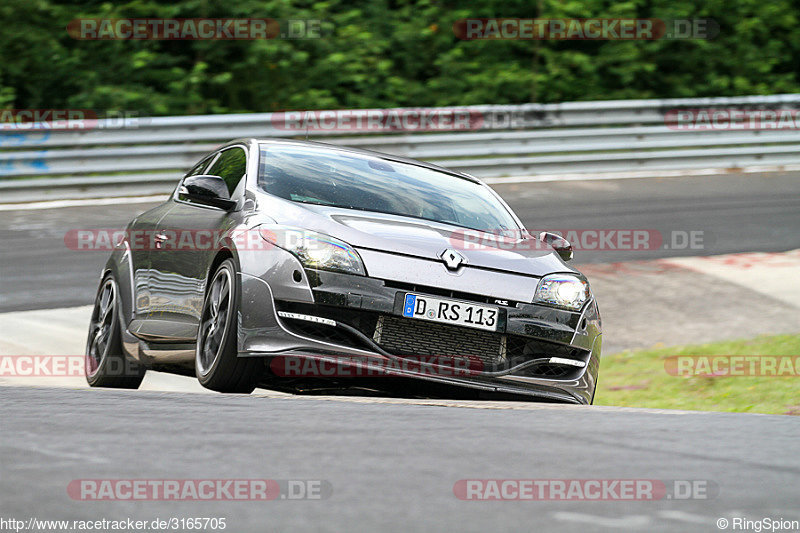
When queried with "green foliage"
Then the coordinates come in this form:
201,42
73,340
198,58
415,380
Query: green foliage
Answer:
642,378
385,53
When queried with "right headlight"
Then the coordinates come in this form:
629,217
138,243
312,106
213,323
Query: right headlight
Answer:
562,290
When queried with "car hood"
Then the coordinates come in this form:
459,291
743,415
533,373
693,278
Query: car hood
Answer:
420,238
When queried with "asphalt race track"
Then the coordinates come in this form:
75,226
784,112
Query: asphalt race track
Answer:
391,462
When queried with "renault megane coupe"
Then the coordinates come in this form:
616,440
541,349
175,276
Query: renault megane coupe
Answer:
306,267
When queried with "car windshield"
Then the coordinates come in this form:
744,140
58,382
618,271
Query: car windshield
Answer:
335,178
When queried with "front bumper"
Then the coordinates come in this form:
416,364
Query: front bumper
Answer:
530,335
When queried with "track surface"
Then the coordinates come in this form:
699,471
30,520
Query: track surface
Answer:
738,213
392,465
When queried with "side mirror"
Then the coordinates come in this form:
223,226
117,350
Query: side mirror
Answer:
207,190
561,245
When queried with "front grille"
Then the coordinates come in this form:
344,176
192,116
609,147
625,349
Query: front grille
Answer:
403,336
407,337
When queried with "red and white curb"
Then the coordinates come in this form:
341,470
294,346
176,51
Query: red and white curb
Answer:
775,275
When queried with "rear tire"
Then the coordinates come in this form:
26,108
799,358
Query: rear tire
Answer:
217,364
106,364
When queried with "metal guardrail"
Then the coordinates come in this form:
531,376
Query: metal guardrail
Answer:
530,139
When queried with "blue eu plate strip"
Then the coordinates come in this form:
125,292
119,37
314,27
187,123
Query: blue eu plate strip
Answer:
408,308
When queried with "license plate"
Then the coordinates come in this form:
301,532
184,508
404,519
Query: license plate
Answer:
453,312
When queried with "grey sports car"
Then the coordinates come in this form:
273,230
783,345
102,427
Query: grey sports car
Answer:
311,268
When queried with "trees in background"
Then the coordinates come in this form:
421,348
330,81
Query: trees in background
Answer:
383,53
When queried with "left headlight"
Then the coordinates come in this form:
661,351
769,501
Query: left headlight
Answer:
562,290
315,250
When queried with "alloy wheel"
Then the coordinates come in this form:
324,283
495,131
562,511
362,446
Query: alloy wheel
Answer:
101,328
215,321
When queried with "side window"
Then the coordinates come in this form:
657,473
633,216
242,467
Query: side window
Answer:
198,169
230,166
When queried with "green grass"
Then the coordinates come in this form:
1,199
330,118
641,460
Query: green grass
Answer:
639,379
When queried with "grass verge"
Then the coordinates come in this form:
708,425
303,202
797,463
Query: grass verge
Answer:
641,379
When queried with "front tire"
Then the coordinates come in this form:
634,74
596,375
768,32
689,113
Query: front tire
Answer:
217,364
106,364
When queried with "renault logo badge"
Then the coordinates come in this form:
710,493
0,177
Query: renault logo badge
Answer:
452,259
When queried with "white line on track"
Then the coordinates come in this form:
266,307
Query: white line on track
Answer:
637,522
83,202
543,178
682,516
